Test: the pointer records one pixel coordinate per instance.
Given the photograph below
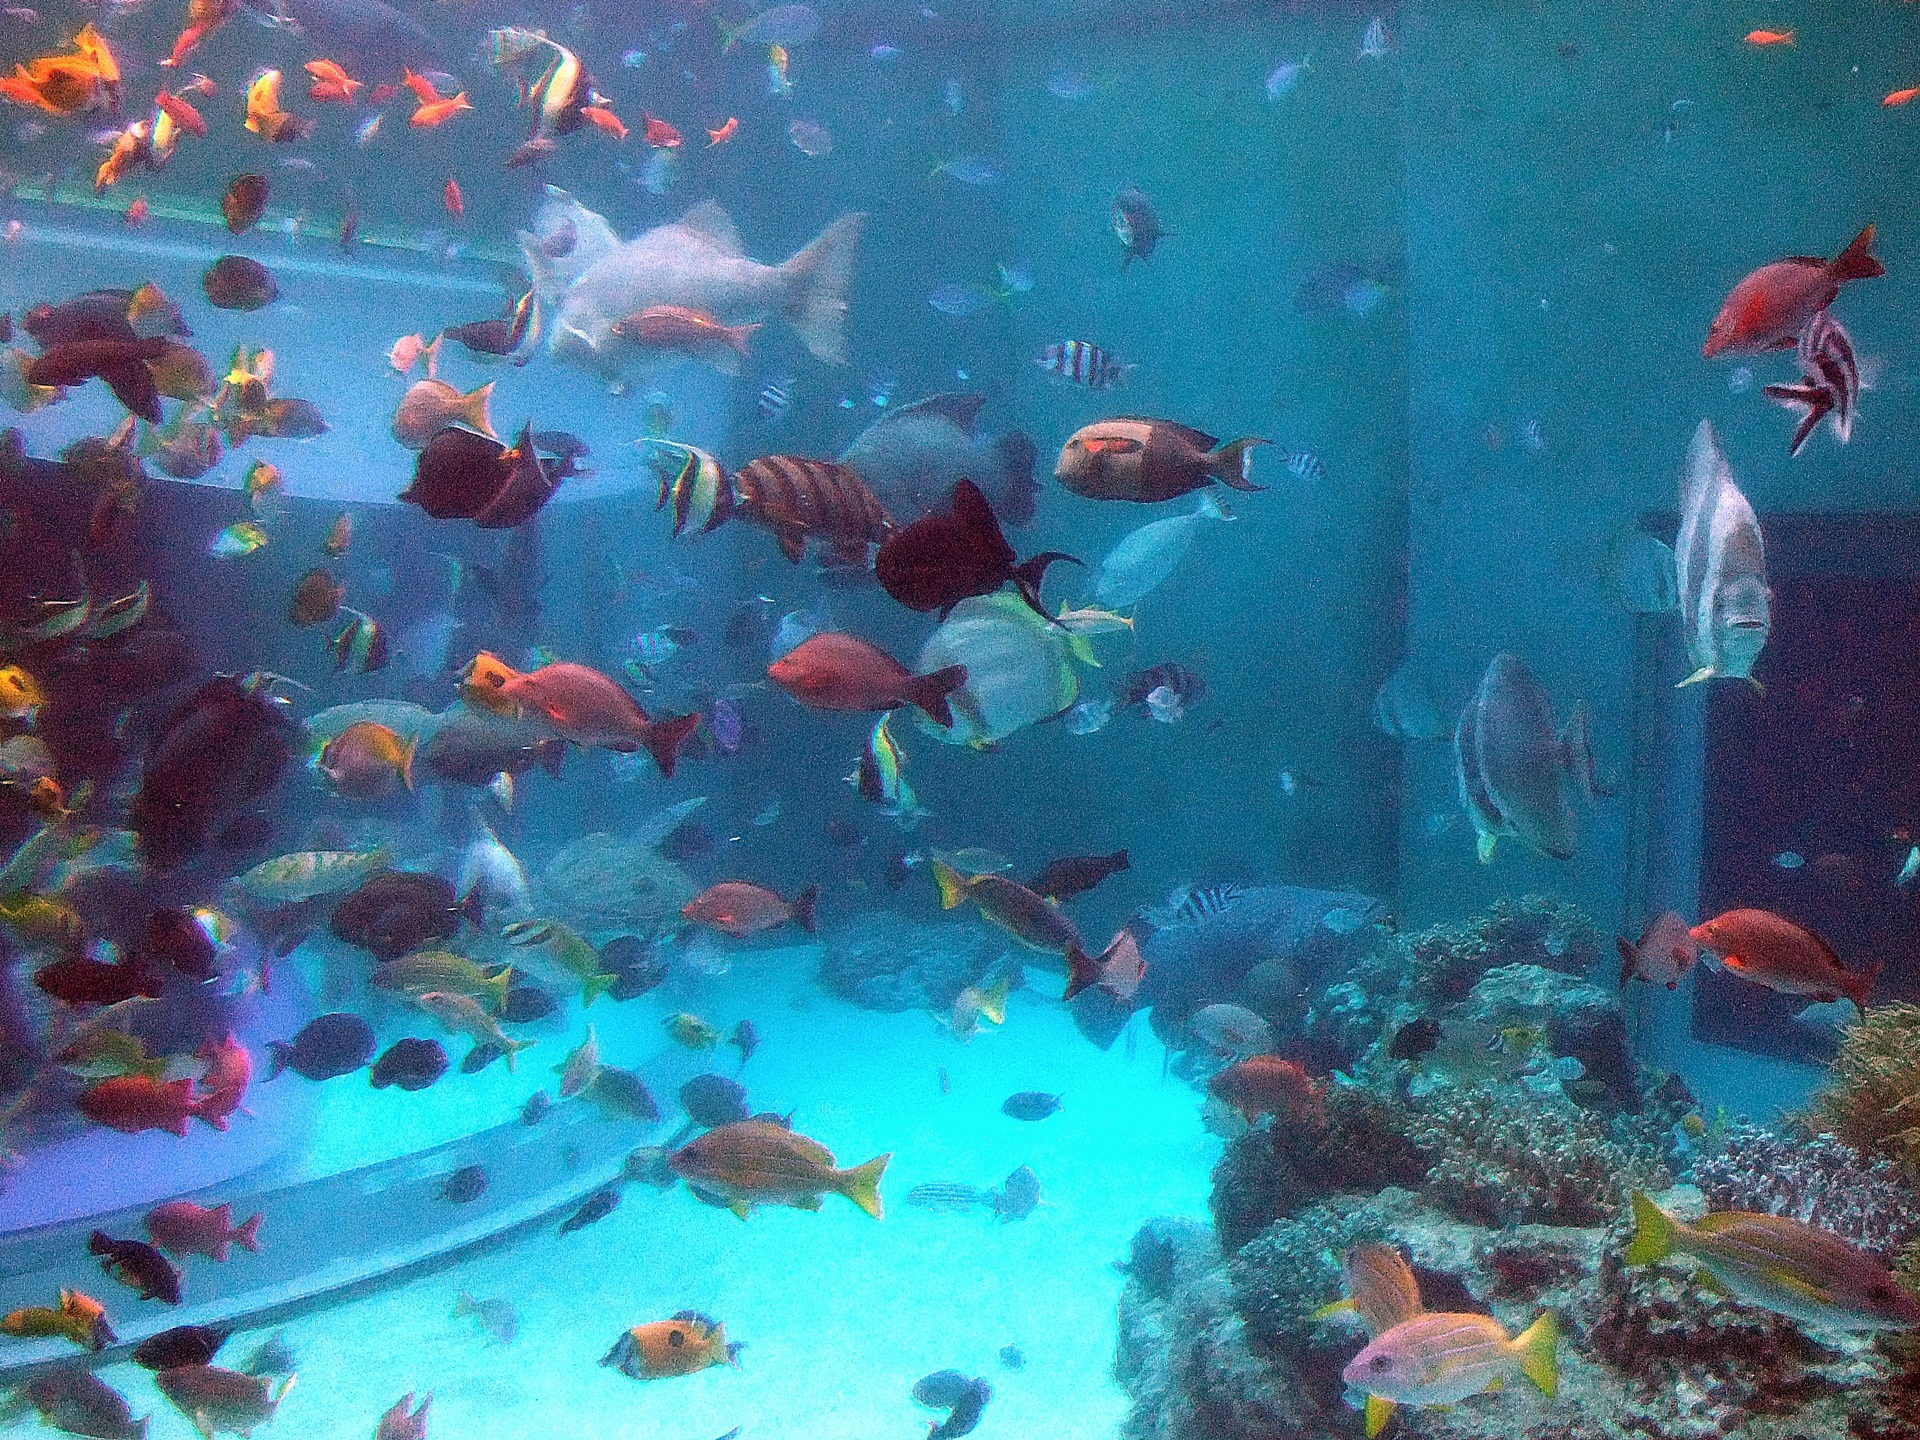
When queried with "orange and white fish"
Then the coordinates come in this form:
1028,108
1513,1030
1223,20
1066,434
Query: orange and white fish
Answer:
331,82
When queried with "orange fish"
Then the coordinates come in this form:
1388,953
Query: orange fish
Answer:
1769,308
1267,1085
137,211
661,135
1901,97
605,119
422,88
438,112
687,1343
456,205
67,84
330,82
339,536
1770,37
1771,950
725,133
182,114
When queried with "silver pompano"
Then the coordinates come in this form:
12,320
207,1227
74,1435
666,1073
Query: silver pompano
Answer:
912,455
1722,563
1512,767
697,262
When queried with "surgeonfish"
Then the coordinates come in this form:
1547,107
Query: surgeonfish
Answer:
1514,769
1145,557
1722,563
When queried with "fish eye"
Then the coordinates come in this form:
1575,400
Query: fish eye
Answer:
676,1337
1380,1363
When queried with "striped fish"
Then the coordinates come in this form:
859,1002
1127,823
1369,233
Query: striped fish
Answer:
949,1196
1304,465
797,499
701,494
1081,362
775,400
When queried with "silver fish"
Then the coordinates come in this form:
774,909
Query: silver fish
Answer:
1722,563
1514,769
912,455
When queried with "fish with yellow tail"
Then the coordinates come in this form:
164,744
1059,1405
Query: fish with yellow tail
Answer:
308,874
1381,1289
463,1015
756,1162
567,949
1042,925
1438,1358
1778,1264
77,1317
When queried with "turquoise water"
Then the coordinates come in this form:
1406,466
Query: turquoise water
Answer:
1376,737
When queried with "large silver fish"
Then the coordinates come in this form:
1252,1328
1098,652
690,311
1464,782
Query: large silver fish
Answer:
912,455
697,263
1514,769
1722,564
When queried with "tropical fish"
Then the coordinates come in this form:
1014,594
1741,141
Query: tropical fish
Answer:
1148,460
20,694
880,777
1081,362
430,405
181,1345
566,948
1018,666
1641,573
216,1400
182,1227
333,1044
497,1317
1725,604
687,1343
579,704
364,760
560,96
1041,925
464,475
740,909
77,1317
305,874
410,1064
462,1015
964,1398
1145,557
236,282
1268,1085
120,364
1768,309
1136,225
424,970
941,559
834,671
691,332
1404,708
1513,770
1076,874
1829,384
1231,1030
1770,950
1662,955
1436,1358
87,79
138,1266
1779,1264
244,202
691,1031
913,456
756,1162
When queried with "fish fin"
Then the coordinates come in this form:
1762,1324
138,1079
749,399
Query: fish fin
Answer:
962,410
1537,1346
473,908
1083,971
1629,958
1232,463
406,761
473,410
247,1237
953,885
1652,1232
497,986
861,1184
1336,1307
817,280
930,693
792,543
802,907
514,1047
1576,752
591,989
740,1207
1856,262
1028,576
1705,672
1379,1412
665,737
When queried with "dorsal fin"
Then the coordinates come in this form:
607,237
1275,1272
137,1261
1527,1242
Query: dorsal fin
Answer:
709,220
962,410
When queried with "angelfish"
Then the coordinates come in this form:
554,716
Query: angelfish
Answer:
1514,769
1722,562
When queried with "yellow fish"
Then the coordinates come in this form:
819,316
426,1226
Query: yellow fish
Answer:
80,1318
691,1031
20,693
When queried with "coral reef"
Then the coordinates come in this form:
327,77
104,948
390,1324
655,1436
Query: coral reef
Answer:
1444,962
611,882
887,962
1819,1180
1872,1097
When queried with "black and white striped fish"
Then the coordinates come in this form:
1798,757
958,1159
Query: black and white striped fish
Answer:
776,400
1081,362
1304,465
1829,385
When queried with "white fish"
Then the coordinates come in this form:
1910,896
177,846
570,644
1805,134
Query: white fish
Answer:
697,262
491,866
1373,44
1284,76
1087,717
1722,564
1165,705
1404,708
1640,572
1147,556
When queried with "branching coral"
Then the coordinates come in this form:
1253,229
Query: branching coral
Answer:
1872,1099
1819,1180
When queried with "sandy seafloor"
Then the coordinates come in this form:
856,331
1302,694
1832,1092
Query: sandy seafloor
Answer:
839,1314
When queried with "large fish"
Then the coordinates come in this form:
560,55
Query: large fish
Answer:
1147,556
1514,768
912,456
1018,666
697,262
1722,564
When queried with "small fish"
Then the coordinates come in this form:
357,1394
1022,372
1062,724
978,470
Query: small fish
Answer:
1769,307
410,1065
244,202
687,1343
455,202
1081,362
596,1206
775,400
1267,1085
1437,1358
1662,955
1030,1105
724,133
971,169
77,1317
1901,97
497,1317
435,113
1282,79
182,1345
759,1162
660,134
1761,38
138,1266
810,138
691,1031
1373,42
464,1185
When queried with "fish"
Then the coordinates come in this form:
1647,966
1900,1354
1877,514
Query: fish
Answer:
1513,770
1082,363
424,970
836,671
941,559
775,399
579,704
1829,384
82,980
365,759
224,1081
216,1400
241,538
236,282
316,598
1438,1358
696,262
1640,572
684,1345
740,909
1282,79
963,1398
1030,1105
1373,40
1231,1030
430,406
1167,690
1769,307
88,79
745,1039
463,475
714,1100
1018,664
1779,1264
1404,708
266,119
1769,37
880,777
133,1103
182,1345
333,1044
1901,97
432,114
244,202
1136,225
1041,925
947,1196
138,1266
461,1014
1073,875
410,1064
1018,1195
119,364
181,1227
1770,950
622,1094
497,1317
1268,1085
508,336
566,948
783,25
1720,556
75,1400
331,83
577,1072
490,869
796,499
464,1186
756,1162
77,1317
307,874
361,643
913,456
1664,953
691,1031
959,300
691,332
595,1207
1147,460
1145,557
20,694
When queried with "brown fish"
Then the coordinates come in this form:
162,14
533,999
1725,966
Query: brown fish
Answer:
739,909
465,476
1148,460
755,1162
796,500
941,559
691,332
244,202
120,363
233,282
1042,925
316,598
215,1399
430,406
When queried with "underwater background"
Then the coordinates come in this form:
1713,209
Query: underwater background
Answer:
506,908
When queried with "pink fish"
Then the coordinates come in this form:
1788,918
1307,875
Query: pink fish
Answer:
579,704
224,1085
181,1227
1662,955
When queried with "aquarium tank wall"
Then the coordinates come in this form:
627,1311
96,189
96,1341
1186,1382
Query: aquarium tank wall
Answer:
1142,720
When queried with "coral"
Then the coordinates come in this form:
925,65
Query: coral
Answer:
1581,1021
1818,1180
1872,1098
887,962
1498,1157
610,882
1444,962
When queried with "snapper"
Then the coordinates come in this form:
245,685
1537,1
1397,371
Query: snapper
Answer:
1770,307
578,704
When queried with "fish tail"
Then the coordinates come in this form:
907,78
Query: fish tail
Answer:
591,989
514,1047
1856,262
801,911
930,693
1536,1348
1029,575
993,1001
817,280
1860,985
473,908
1652,1232
463,1304
247,1237
497,986
1232,463
953,885
1082,970
861,1184
473,409
277,1053
664,739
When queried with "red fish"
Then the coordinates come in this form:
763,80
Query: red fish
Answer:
182,114
604,119
456,203
224,1084
438,112
136,211
422,88
725,133
330,82
1769,309
661,135
120,363
181,1227
1662,955
1267,1085
82,980
132,1103
832,671
940,560
579,704
739,909
1790,959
